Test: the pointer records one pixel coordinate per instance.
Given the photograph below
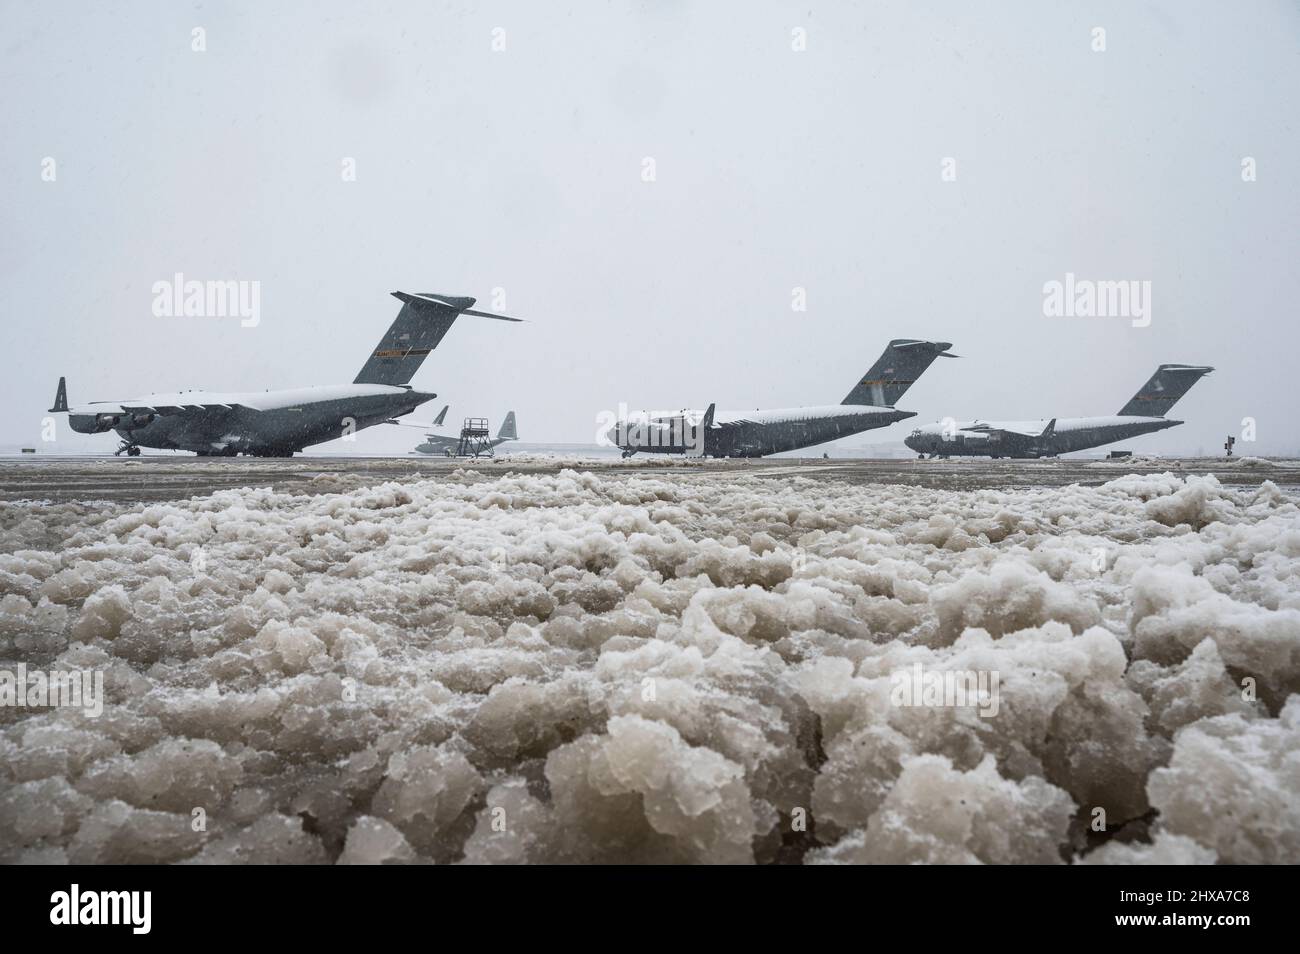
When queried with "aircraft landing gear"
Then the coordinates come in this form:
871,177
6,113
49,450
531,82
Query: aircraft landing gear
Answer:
127,447
627,454
269,452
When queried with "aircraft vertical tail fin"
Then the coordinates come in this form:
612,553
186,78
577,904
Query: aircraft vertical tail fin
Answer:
442,415
508,432
423,321
61,396
1162,391
904,360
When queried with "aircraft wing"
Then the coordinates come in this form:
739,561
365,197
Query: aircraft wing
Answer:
168,410
1014,430
708,423
438,440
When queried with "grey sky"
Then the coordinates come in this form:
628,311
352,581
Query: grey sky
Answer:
522,170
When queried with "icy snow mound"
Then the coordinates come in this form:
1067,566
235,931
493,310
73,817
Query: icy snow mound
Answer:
695,667
1136,460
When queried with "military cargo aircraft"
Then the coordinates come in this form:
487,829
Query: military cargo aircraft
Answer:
281,423
870,404
473,445
1062,435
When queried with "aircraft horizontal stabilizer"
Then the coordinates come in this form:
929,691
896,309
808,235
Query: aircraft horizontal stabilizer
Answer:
911,344
449,301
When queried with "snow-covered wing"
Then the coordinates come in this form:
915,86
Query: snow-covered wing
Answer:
168,410
1013,429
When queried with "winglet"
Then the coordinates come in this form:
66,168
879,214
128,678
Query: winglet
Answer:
1049,430
708,417
61,397
442,415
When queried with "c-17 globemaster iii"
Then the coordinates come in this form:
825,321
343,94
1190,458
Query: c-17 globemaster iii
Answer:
1144,413
280,423
869,404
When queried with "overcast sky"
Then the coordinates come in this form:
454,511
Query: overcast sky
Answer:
774,169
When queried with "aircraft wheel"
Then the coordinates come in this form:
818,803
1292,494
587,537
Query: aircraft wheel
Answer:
133,452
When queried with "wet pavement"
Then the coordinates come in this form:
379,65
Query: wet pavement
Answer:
155,478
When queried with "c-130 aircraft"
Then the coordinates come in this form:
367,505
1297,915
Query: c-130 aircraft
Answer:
281,423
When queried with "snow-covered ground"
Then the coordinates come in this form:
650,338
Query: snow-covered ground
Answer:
682,667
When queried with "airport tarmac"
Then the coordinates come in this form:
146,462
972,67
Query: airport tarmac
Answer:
158,478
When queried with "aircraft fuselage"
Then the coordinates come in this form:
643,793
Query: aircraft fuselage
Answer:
750,433
1025,439
255,422
448,448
